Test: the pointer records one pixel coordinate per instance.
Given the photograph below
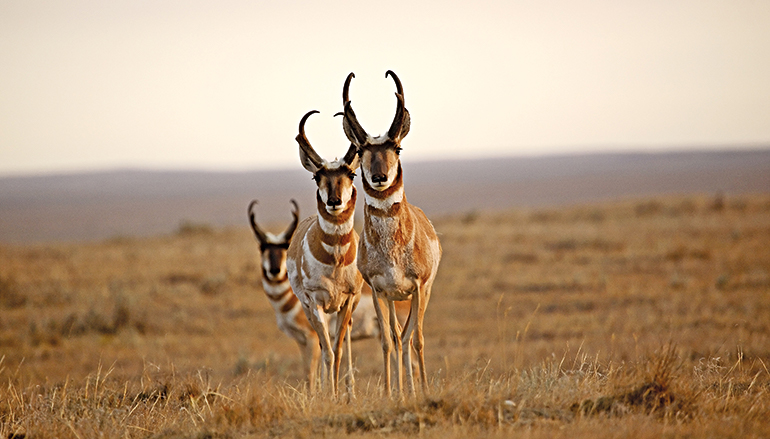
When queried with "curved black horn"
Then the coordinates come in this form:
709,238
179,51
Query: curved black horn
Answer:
353,130
301,137
399,88
346,88
401,122
309,158
293,226
252,219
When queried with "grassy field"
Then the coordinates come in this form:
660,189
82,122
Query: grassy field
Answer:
643,318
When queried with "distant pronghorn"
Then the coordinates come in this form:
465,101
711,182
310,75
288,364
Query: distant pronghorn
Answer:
291,320
275,282
322,257
399,251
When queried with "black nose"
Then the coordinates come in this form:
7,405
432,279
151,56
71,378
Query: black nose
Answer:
379,178
274,270
333,202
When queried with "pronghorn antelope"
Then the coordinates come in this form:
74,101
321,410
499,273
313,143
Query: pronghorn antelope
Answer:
275,281
322,258
399,251
291,320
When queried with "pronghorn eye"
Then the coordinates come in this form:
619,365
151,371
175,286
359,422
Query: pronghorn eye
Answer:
398,150
316,178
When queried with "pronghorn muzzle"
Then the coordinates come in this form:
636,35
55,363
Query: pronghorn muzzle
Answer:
275,257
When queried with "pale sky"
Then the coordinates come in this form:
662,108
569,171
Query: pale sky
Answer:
93,85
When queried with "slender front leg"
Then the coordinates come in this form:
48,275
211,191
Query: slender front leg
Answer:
316,317
406,338
419,341
395,328
344,317
385,340
350,378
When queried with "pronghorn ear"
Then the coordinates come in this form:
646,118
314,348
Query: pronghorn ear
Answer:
351,157
287,234
309,158
252,219
307,155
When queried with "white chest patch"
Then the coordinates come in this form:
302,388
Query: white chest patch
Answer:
386,203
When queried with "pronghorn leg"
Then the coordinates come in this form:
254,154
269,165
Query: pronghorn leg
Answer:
344,317
419,341
406,338
385,340
395,329
349,349
349,377
316,317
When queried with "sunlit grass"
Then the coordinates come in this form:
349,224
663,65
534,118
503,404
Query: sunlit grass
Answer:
646,318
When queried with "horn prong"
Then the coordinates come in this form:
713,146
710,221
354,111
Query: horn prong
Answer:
353,130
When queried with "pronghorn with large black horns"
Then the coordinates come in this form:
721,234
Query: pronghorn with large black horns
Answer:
275,281
322,256
399,251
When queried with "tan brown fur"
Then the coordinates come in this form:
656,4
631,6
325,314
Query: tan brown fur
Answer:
324,276
399,252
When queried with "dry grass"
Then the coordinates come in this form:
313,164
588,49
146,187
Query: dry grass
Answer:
646,318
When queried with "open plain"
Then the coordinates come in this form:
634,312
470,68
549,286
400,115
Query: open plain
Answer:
638,317
648,318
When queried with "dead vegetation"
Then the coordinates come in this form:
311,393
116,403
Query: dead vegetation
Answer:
639,319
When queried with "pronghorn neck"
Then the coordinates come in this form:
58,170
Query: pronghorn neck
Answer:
336,234
387,202
275,289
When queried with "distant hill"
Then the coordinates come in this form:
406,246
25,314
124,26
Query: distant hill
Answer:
100,205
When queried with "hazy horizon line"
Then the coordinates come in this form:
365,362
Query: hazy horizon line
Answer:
624,151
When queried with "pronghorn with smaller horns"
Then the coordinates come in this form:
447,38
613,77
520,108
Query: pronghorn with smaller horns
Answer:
275,281
399,251
322,256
